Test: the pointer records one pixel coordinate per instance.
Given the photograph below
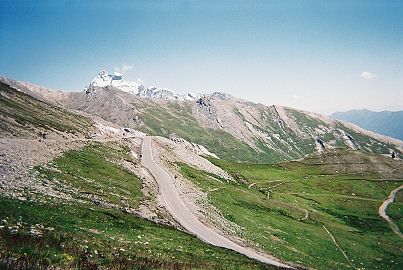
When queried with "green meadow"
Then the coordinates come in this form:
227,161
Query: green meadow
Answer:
294,210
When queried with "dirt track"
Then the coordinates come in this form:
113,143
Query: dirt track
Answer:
382,211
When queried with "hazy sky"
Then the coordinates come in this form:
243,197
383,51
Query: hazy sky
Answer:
321,56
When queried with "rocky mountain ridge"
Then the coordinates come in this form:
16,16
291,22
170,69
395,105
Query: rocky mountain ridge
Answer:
229,127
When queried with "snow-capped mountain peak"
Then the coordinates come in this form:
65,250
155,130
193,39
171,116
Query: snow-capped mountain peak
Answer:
104,78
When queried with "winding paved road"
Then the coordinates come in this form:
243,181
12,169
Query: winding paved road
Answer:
185,217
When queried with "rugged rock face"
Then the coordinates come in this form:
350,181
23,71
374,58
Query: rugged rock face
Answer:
205,109
320,145
106,102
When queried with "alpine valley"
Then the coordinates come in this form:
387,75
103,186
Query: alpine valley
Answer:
121,176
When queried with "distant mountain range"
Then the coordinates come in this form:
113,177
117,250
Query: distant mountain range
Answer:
385,122
104,78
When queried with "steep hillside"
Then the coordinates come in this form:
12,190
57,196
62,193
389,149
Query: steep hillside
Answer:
36,91
22,115
232,128
385,122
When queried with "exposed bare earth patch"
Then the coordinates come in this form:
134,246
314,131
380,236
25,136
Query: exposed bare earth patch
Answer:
19,156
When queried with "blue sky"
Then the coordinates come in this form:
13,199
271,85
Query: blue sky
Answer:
321,56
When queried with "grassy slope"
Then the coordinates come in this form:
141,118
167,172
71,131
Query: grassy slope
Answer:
160,121
81,234
21,113
182,123
370,145
92,171
175,118
347,207
77,236
308,125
